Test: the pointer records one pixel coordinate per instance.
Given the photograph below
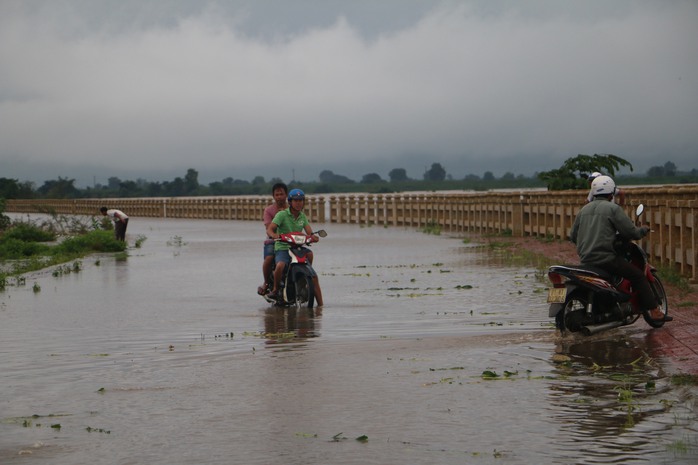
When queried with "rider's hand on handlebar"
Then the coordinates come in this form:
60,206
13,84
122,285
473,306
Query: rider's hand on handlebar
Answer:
314,238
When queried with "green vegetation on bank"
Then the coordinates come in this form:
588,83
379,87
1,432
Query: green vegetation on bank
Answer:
27,246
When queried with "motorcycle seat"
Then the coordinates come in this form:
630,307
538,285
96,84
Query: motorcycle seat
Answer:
585,269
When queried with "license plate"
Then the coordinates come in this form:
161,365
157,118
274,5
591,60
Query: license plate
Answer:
557,295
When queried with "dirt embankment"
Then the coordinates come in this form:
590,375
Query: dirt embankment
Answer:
565,253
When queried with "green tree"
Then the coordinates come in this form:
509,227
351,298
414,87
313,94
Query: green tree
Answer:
174,188
62,188
435,173
670,168
129,189
397,175
656,172
329,177
575,171
9,188
191,181
113,182
371,178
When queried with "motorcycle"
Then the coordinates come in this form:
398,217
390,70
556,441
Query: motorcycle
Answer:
296,287
588,299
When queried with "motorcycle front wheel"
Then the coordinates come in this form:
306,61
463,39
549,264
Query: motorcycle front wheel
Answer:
660,296
305,291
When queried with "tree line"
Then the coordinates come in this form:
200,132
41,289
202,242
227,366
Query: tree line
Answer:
571,175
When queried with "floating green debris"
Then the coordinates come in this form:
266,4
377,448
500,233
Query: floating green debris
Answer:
363,438
89,429
684,379
338,437
561,358
140,239
280,336
176,241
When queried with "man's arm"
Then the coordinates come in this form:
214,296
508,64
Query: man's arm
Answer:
575,228
271,230
625,225
309,232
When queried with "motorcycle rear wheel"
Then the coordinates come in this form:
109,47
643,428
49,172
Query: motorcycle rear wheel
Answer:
305,291
571,315
660,295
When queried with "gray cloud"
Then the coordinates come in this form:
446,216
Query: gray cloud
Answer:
241,88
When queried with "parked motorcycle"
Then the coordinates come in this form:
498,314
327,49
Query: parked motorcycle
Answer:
296,287
588,299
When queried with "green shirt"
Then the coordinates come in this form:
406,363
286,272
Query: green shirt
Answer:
286,223
594,231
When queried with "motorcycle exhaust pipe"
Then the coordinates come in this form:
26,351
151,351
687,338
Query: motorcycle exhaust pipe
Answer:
593,329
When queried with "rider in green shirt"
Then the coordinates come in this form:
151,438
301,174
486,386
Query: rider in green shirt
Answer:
287,221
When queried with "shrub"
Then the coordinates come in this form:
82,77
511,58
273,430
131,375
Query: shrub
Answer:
14,249
95,241
28,232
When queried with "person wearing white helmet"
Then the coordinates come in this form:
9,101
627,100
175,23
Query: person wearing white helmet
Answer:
619,195
594,233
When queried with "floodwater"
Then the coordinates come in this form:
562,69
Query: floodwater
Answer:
428,350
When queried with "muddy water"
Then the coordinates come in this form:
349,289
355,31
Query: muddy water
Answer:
170,357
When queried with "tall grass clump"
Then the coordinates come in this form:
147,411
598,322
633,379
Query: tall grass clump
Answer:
93,241
26,246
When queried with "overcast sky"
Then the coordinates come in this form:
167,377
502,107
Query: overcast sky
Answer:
91,89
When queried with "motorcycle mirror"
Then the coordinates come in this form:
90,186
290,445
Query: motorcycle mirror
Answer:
321,233
640,209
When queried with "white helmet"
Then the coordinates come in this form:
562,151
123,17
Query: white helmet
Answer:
603,185
594,175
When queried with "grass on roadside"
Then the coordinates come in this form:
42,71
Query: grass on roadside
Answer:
26,246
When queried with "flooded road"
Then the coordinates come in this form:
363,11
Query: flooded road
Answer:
428,350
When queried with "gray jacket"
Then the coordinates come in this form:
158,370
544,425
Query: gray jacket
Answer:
594,231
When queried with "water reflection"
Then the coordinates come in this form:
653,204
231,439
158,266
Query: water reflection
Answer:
610,396
291,324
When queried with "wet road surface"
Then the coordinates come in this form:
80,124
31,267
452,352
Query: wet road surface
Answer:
428,350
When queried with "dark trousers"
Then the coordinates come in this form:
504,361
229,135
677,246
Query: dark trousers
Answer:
120,230
621,267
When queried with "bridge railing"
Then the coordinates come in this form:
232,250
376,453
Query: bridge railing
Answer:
670,210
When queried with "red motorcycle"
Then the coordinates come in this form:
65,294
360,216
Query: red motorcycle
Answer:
588,299
296,287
